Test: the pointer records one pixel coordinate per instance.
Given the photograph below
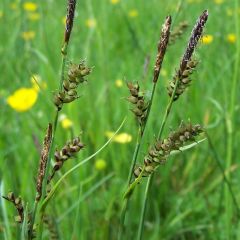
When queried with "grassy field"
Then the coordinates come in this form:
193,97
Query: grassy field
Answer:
189,197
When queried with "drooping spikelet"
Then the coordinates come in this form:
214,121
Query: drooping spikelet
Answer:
184,80
43,161
17,202
68,151
75,76
69,20
177,32
162,46
187,62
161,149
139,102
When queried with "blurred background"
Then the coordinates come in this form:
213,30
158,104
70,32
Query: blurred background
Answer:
189,198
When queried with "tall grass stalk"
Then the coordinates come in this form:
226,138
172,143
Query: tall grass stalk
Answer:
134,159
150,178
68,28
162,46
194,38
230,125
50,195
36,202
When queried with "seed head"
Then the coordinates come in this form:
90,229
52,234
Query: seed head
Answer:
162,46
161,149
43,161
68,151
69,20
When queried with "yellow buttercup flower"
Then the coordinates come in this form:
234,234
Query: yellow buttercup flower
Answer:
133,13
119,83
1,14
114,1
120,138
30,6
33,16
231,38
218,1
100,164
23,99
65,121
28,35
91,23
207,39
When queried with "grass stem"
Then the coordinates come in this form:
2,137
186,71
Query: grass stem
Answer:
44,186
141,131
230,127
150,178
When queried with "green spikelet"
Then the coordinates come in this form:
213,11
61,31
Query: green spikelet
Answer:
75,76
184,80
139,102
68,151
18,204
161,149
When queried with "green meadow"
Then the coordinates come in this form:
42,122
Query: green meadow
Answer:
194,195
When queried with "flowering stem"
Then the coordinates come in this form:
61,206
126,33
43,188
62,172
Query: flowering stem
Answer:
150,178
139,139
194,38
125,204
141,131
44,185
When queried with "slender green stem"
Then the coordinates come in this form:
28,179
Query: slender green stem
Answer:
126,202
143,212
221,167
141,131
166,114
51,150
139,139
230,126
150,178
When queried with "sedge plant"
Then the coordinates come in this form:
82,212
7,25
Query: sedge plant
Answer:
161,149
31,220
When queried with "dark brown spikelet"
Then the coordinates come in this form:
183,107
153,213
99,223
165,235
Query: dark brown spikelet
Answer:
51,224
75,76
139,102
43,161
162,46
68,151
17,202
183,82
69,20
187,57
161,149
193,41
178,32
